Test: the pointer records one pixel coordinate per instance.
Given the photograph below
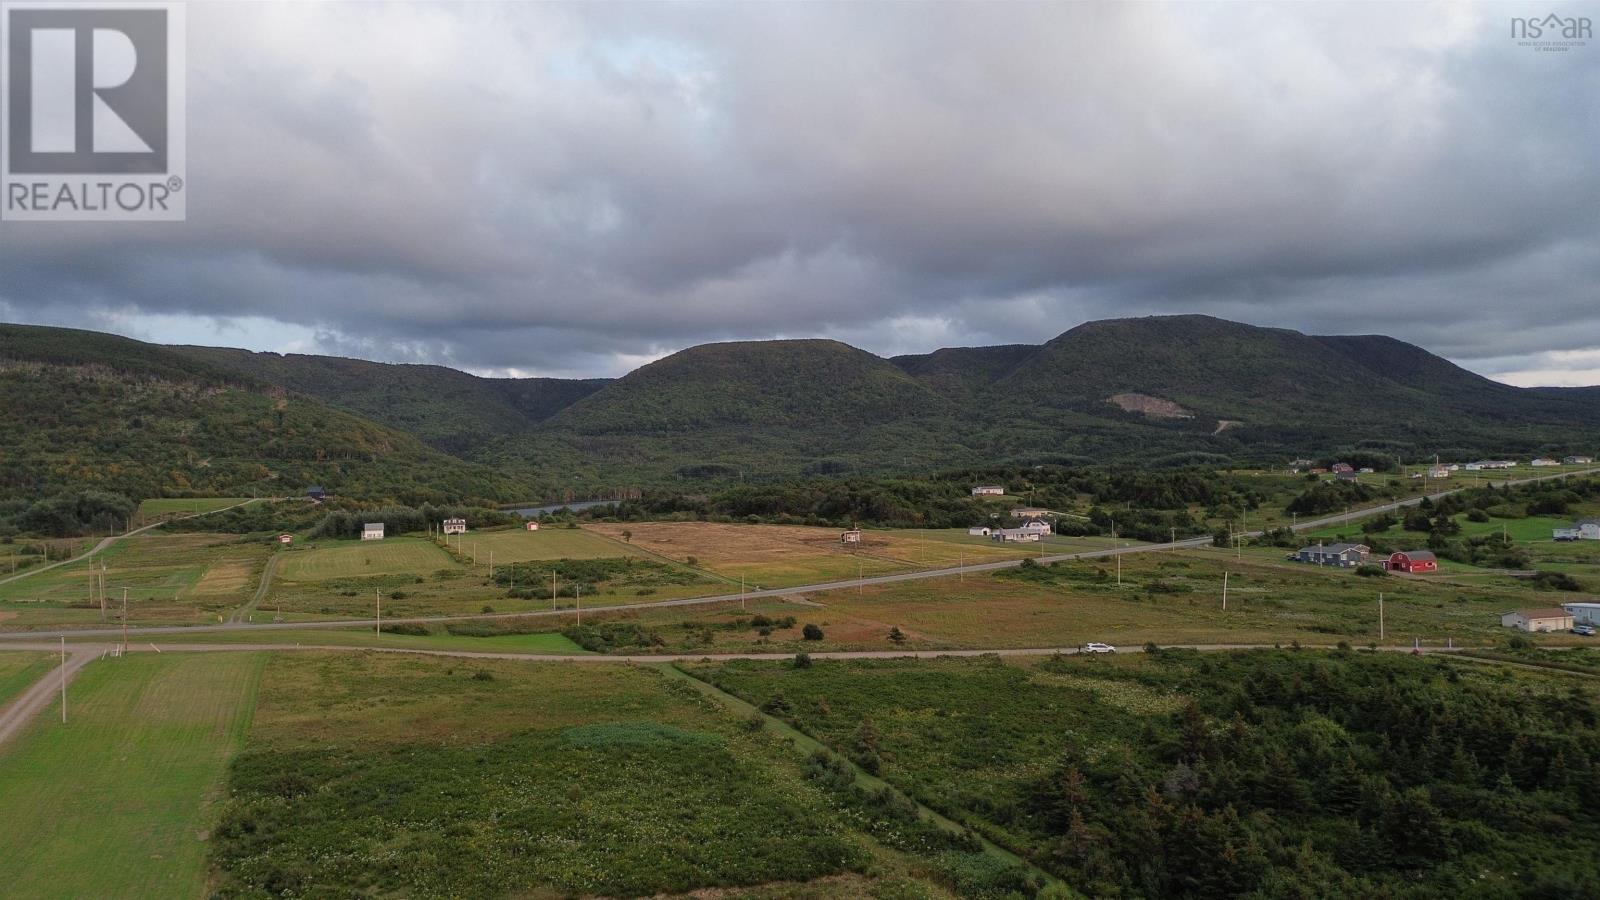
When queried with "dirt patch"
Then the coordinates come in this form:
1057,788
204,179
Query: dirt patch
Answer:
1155,407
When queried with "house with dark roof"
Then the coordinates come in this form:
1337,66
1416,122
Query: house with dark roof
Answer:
1342,555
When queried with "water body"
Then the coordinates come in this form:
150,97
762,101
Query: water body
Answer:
528,512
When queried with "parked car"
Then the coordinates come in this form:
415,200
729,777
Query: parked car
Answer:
1585,630
1093,647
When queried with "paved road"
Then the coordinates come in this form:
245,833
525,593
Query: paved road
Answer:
1191,543
108,541
45,691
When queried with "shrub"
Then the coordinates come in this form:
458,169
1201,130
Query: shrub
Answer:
802,660
483,675
811,632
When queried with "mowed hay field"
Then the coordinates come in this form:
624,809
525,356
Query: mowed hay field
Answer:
784,555
393,775
18,669
117,802
357,559
521,545
169,579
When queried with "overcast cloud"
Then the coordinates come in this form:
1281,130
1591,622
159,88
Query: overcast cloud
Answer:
575,190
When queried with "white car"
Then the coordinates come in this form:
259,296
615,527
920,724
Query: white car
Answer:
1098,648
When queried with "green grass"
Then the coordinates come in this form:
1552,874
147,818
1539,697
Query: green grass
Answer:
521,545
156,508
422,777
356,559
538,642
169,578
20,669
117,802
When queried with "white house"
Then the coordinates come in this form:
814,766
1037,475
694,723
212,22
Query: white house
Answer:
1567,534
1475,467
1038,526
1029,512
853,536
455,526
994,490
980,531
533,526
285,538
372,531
1543,462
1583,613
1438,471
1014,535
1578,460
1551,619
1585,530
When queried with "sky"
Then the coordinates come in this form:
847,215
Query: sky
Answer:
575,190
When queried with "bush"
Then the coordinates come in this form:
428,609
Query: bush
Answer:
811,632
802,660
483,675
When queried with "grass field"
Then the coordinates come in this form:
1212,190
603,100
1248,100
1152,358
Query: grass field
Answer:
536,642
358,559
520,545
20,669
786,555
169,579
398,775
156,508
117,802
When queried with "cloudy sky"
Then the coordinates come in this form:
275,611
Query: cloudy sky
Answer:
575,190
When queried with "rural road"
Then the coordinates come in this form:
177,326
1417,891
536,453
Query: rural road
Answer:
44,691
108,541
261,590
1107,553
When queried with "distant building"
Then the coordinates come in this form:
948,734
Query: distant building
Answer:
1499,464
372,531
1366,470
1039,526
853,536
1302,463
1029,512
1319,471
1342,555
1550,619
1544,462
1345,475
1438,471
1014,535
533,526
1583,613
1585,530
285,538
1578,460
1342,467
980,531
988,490
1474,467
455,526
1413,561
316,493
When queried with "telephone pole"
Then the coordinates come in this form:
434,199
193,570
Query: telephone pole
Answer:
1224,591
124,620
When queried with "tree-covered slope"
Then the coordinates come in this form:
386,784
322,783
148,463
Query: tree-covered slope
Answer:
98,411
450,410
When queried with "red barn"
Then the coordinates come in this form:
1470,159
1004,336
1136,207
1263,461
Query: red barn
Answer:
1413,561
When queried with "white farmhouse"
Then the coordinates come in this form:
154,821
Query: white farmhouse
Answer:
372,531
455,526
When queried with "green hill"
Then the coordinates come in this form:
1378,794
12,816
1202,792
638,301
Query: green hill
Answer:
449,410
88,410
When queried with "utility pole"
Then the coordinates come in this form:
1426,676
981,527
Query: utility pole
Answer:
1174,539
1119,570
1224,591
378,622
741,594
491,565
861,572
124,620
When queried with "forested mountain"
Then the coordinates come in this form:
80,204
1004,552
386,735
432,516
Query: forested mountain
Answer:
450,410
95,411
1158,390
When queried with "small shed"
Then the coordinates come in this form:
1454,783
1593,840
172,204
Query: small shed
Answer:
853,536
455,526
980,531
533,526
1532,620
285,538
315,492
372,531
1413,561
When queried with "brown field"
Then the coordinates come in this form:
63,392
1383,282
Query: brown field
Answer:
783,555
227,576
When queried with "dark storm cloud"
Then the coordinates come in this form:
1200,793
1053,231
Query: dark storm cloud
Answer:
575,189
